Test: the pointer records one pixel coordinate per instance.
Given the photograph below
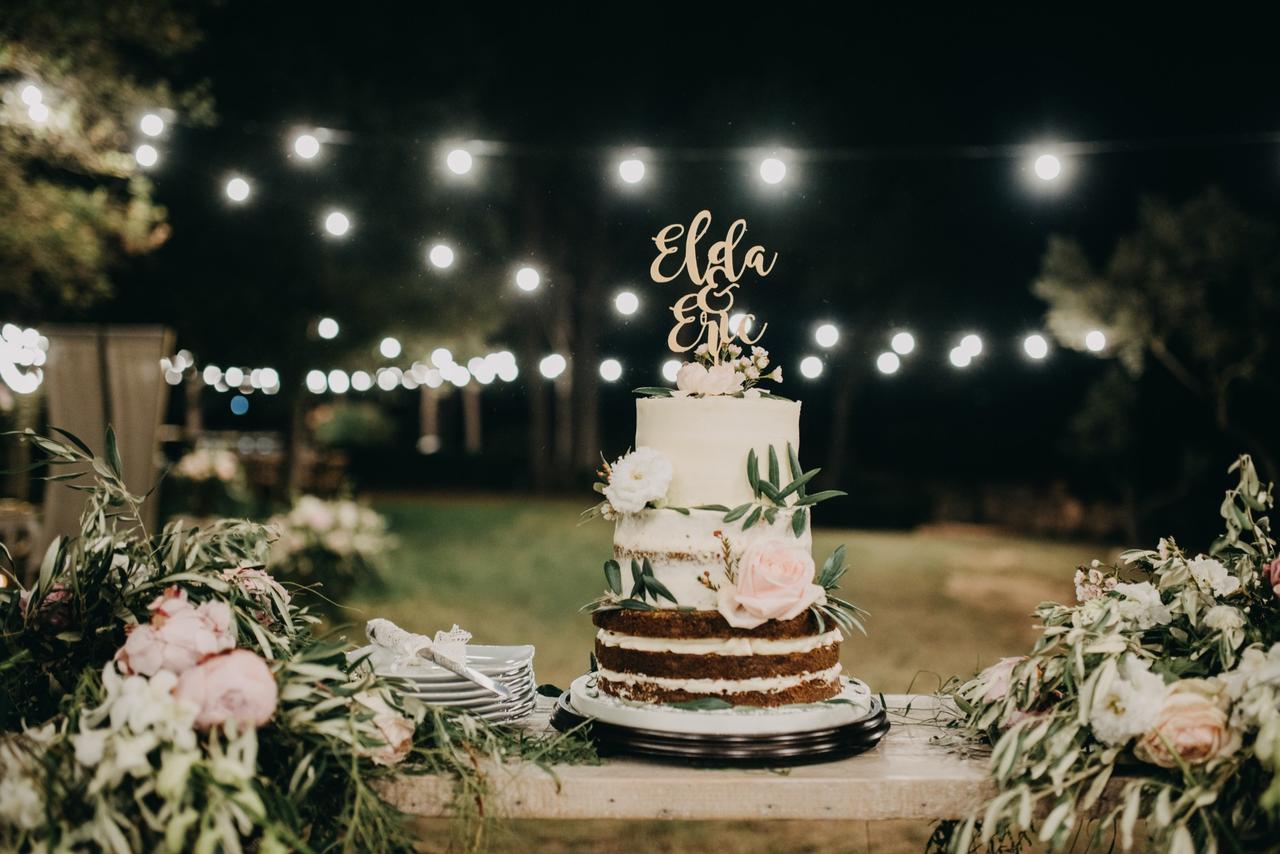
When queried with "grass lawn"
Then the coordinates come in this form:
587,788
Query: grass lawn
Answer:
515,570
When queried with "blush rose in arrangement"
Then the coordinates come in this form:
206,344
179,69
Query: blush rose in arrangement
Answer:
179,635
773,580
234,687
1192,726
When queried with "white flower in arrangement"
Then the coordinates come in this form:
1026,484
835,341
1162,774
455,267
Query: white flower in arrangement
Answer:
1211,575
1224,617
1128,705
203,464
1142,605
636,479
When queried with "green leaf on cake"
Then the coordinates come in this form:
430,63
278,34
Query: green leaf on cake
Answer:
652,391
737,513
797,521
683,511
752,518
832,569
613,575
775,472
793,461
820,496
719,508
655,587
798,484
771,515
637,578
635,605
702,704
771,492
753,472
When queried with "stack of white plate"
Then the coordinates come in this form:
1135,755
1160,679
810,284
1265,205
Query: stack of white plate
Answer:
510,666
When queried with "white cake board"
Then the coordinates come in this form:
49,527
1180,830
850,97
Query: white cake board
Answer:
851,705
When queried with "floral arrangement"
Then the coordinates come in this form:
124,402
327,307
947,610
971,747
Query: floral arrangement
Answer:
210,481
635,481
729,371
335,544
162,692
1154,699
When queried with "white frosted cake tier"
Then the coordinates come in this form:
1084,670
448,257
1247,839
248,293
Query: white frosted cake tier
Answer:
683,549
707,440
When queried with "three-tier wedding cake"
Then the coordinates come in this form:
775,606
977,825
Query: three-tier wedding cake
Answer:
712,594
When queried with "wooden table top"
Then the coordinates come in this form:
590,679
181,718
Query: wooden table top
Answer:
907,776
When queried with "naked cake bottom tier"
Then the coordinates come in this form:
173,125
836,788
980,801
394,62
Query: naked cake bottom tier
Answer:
679,656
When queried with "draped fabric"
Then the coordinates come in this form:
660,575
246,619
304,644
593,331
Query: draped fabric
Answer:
100,375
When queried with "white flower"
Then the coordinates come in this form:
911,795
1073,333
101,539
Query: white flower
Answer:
1141,605
20,803
1224,617
1210,574
691,377
638,478
1129,705
722,379
1092,584
776,375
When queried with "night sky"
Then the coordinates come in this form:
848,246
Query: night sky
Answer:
905,205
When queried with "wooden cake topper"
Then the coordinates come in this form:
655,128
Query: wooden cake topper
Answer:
702,316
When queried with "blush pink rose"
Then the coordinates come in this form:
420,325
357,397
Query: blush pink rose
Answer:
997,677
179,636
1271,574
1193,724
237,686
395,730
774,582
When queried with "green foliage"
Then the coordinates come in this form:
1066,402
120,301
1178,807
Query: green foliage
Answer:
771,496
1154,701
307,780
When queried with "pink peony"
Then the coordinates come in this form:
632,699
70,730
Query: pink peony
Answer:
179,636
1192,723
774,582
1271,573
395,729
237,686
997,677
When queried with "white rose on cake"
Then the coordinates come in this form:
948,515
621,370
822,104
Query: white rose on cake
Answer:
636,479
723,378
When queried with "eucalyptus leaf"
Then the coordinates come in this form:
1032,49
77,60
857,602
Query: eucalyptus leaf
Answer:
737,513
613,576
652,391
753,472
797,521
775,472
752,518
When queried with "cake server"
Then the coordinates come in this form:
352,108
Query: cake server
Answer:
387,634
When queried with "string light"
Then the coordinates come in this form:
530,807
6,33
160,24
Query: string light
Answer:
971,344
626,303
316,382
888,363
552,366
960,357
388,378
826,335
631,170
31,95
528,279
337,223
458,161
211,375
327,328
1047,167
610,370
441,256
306,146
902,343
361,381
233,376
772,170
239,405
1096,341
811,367
670,369
339,382
740,322
38,113
237,189
1035,346
146,155
151,124
389,347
